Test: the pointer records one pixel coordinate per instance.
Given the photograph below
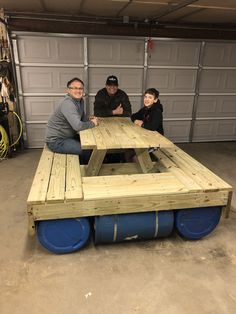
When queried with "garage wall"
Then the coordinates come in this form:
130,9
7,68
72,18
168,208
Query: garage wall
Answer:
196,80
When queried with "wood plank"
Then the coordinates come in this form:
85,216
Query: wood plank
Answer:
106,128
100,143
106,187
40,183
95,162
169,166
56,189
144,160
87,139
73,179
228,205
31,223
119,169
135,140
129,205
199,173
120,137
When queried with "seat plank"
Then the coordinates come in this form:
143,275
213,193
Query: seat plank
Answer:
106,187
73,179
168,165
56,189
40,183
199,173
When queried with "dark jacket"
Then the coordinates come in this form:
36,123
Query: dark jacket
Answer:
151,116
104,104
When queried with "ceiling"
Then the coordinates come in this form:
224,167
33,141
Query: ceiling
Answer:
107,15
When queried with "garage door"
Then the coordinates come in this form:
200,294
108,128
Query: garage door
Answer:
197,90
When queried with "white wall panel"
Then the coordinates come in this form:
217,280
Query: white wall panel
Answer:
115,52
130,80
40,108
36,135
219,54
50,50
174,53
216,106
217,81
172,80
48,79
214,130
177,131
177,106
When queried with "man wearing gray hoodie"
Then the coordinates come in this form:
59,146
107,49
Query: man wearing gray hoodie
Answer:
68,120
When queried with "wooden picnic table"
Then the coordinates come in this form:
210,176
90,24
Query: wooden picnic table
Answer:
63,188
119,134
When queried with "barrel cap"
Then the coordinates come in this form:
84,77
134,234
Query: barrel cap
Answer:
195,223
63,235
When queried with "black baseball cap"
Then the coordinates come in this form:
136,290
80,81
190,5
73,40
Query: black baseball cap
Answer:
112,80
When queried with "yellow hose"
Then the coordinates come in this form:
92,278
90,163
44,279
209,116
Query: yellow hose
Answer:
4,140
21,129
4,143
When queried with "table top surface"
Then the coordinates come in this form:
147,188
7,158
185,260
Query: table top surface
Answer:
121,133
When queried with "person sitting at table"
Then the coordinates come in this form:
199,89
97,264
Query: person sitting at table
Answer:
111,101
150,115
68,120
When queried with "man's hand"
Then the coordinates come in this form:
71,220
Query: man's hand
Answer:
118,110
138,122
94,120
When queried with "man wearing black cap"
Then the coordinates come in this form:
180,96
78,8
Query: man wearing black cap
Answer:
112,101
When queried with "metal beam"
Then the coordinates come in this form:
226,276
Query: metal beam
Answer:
81,6
43,5
171,31
123,8
173,9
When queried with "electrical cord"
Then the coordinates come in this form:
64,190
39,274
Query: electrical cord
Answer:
4,140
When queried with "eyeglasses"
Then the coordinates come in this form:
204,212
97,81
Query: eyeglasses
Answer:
76,88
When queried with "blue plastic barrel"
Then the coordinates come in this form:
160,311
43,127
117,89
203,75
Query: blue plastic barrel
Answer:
135,226
195,223
63,235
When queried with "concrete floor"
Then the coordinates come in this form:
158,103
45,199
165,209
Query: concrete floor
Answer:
170,276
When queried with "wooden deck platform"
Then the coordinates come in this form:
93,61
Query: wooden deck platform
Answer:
62,189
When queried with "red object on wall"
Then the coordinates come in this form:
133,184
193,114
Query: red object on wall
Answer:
150,46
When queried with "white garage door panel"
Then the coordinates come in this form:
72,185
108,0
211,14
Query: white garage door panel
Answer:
175,80
174,53
130,80
216,106
218,81
177,106
219,54
40,108
206,107
50,50
36,135
215,130
115,52
48,79
177,131
135,101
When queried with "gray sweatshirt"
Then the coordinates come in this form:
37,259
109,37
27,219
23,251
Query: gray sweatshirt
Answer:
67,120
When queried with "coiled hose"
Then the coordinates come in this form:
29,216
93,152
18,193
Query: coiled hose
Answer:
4,140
